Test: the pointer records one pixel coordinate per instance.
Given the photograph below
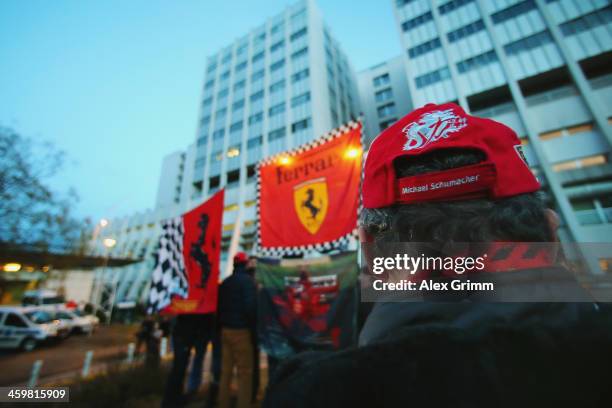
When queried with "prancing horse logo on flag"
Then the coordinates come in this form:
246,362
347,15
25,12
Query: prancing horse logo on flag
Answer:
310,200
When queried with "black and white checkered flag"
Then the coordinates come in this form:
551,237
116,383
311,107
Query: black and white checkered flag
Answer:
169,277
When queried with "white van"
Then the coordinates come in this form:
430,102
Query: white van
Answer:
24,328
41,298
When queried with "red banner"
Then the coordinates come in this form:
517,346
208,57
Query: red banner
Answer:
201,255
311,196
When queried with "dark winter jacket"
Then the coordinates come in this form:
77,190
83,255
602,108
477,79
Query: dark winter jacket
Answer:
238,301
462,355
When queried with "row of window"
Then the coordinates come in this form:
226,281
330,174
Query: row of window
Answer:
587,22
453,5
384,95
386,110
528,43
256,141
477,61
432,77
417,21
259,74
424,48
513,11
381,80
465,31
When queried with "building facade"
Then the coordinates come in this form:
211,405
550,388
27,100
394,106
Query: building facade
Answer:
275,88
543,67
384,96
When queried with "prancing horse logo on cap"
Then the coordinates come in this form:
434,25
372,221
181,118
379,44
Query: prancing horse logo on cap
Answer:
432,126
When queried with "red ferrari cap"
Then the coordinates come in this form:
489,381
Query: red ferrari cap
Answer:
241,257
504,172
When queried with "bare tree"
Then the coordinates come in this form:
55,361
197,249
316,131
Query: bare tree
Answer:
30,211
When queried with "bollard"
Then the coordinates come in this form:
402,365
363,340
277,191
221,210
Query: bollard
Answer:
34,374
130,353
87,363
164,346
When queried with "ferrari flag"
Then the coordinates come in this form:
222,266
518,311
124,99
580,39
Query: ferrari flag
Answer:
186,273
309,197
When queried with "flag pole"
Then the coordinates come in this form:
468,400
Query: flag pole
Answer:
233,248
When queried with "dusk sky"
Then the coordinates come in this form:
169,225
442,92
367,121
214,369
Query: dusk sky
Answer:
116,84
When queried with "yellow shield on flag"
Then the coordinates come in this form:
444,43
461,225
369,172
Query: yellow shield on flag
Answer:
310,201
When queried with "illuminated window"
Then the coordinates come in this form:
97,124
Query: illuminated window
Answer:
231,207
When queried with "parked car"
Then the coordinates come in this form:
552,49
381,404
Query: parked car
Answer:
41,298
94,320
76,323
39,315
25,329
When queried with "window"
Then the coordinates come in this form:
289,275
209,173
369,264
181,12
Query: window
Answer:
257,75
424,48
300,99
257,57
513,11
299,53
211,67
278,27
384,95
300,75
254,142
255,118
216,155
298,34
207,101
223,93
233,151
242,49
239,85
277,46
238,105
221,112
202,141
14,320
257,96
225,75
380,80
276,134
587,21
432,77
465,31
477,61
250,174
300,125
277,86
417,21
226,58
218,134
276,109
401,3
209,84
214,182
241,66
236,126
200,162
452,5
528,43
277,65
386,110
233,177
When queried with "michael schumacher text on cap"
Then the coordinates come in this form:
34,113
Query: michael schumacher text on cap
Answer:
504,172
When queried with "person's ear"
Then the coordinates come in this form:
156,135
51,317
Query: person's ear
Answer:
552,218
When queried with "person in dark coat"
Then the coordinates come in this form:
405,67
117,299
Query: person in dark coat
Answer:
189,331
238,320
440,176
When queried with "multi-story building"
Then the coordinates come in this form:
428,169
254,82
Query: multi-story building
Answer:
543,67
275,88
384,95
